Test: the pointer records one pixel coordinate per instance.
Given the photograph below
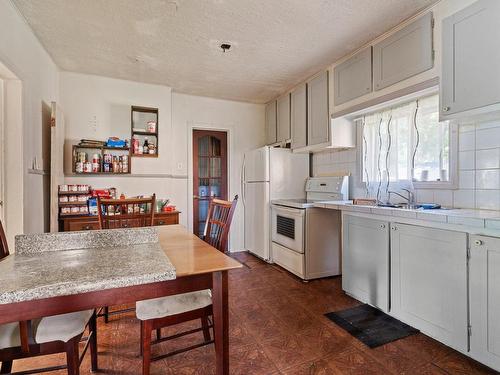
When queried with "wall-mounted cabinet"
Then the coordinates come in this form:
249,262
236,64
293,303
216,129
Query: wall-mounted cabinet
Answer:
271,131
318,113
283,118
429,281
365,260
298,99
403,54
471,59
485,300
353,78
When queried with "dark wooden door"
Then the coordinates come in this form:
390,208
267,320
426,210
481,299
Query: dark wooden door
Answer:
209,173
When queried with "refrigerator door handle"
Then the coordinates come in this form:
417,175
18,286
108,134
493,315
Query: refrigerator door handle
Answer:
242,181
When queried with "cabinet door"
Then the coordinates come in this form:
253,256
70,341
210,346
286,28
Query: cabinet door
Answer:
365,260
299,117
471,58
429,282
353,78
485,300
318,115
403,54
271,122
283,118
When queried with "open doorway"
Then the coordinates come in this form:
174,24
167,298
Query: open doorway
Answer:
209,173
11,147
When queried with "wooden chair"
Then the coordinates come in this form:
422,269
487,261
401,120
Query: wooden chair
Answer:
49,335
124,213
158,313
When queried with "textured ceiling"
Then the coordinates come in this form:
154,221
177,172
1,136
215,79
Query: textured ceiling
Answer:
276,43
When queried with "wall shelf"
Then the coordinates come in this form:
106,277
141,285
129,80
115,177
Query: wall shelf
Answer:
140,119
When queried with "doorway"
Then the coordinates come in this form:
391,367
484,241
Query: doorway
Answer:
209,173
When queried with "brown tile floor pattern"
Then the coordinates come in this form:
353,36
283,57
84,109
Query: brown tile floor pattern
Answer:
277,328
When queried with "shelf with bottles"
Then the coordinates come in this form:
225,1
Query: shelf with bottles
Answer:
144,130
73,200
97,160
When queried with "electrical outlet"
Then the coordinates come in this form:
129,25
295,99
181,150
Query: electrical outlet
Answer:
93,123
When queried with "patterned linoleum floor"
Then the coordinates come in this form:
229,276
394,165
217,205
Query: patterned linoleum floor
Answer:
277,327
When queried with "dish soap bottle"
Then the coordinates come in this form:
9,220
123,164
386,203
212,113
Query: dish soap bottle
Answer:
145,147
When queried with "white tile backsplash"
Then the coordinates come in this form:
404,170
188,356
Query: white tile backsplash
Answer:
478,164
487,159
466,179
488,179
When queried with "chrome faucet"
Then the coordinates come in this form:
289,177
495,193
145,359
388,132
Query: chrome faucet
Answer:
410,198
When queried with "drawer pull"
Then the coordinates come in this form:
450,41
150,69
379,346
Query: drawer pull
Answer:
161,222
478,242
382,226
446,109
87,227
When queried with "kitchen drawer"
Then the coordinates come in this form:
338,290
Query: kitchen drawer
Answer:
288,259
83,225
166,220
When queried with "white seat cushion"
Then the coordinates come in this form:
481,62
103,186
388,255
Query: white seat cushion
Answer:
52,328
9,335
62,327
172,305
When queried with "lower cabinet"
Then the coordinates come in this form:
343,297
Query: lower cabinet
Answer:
485,300
429,282
365,260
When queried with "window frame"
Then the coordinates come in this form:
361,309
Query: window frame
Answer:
451,183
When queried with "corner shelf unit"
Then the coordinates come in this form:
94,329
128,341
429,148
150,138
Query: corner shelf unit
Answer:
140,117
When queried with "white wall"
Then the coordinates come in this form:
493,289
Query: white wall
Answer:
245,125
25,57
99,107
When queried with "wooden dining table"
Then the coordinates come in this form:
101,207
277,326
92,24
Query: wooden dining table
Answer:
197,265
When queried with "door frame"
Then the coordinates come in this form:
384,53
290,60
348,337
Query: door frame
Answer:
211,127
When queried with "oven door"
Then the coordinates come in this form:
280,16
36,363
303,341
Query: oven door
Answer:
288,227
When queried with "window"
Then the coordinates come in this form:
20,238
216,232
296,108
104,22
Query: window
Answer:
406,145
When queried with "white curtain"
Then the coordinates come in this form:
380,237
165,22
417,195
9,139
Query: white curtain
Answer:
392,145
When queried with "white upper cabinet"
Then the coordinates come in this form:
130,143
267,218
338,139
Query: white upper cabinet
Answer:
485,300
353,78
283,118
403,54
299,116
429,282
318,114
470,77
271,122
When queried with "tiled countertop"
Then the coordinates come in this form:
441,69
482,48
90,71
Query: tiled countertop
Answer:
51,265
469,217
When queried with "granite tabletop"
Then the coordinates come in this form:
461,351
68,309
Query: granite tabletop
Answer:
36,272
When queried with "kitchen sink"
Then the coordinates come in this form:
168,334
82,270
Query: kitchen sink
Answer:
404,206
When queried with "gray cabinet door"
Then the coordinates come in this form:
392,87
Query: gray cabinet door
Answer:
485,300
429,282
318,114
470,75
283,118
365,260
271,122
353,78
299,116
404,54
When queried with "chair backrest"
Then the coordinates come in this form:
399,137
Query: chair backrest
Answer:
4,248
126,213
220,215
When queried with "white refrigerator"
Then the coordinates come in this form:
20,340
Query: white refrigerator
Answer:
269,173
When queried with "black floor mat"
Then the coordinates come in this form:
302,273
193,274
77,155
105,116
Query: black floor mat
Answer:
371,326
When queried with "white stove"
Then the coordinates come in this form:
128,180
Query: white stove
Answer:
306,239
319,189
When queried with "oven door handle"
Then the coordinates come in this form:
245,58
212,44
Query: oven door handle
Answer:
297,212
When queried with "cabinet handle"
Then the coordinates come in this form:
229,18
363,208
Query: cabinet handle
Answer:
161,222
394,228
382,226
446,109
478,242
87,227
